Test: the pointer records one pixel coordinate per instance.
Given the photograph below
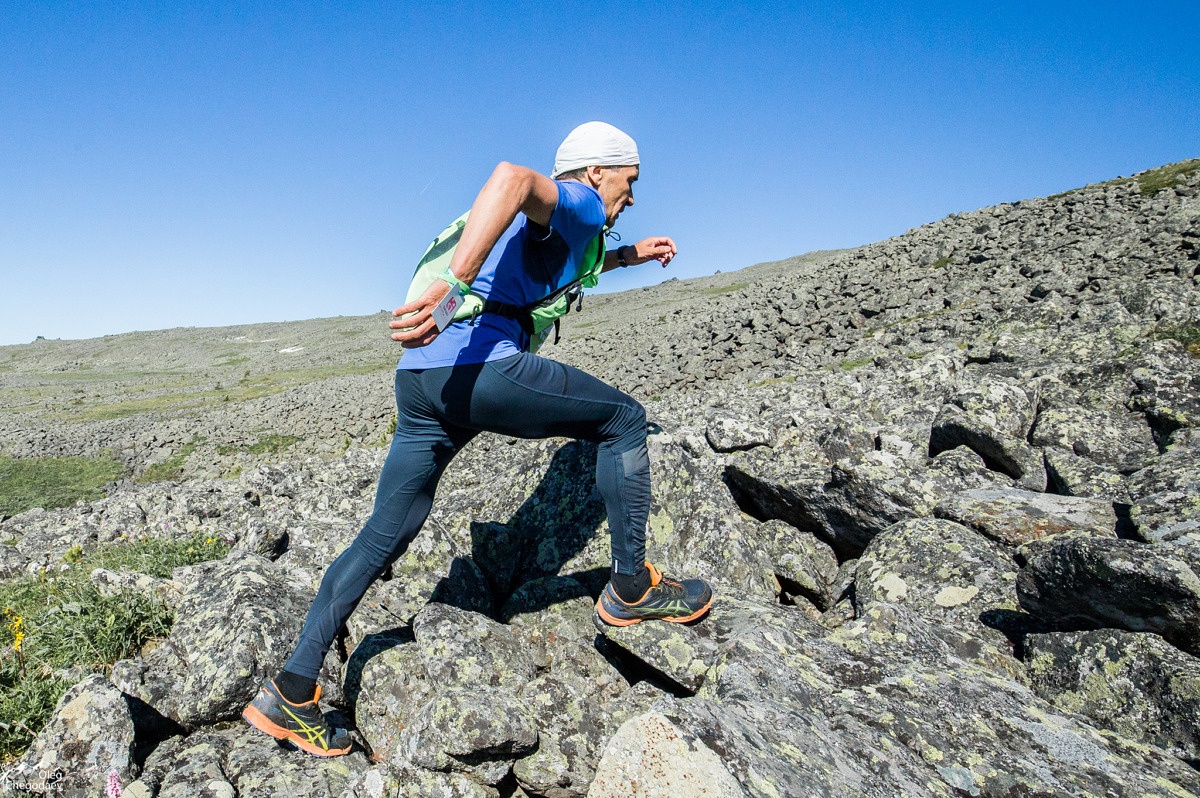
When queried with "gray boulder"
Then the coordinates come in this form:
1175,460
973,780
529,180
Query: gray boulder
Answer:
448,700
805,566
942,571
1122,584
1069,474
696,528
1134,684
1015,517
1084,411
681,764
1168,388
1166,494
992,418
234,628
240,761
88,742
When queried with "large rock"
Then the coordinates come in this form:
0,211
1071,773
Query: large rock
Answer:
576,714
1015,517
885,704
697,530
679,653
1132,683
1168,387
579,696
993,418
1084,411
448,700
944,572
1166,494
1069,474
234,628
804,565
845,490
241,761
88,742
651,756
1116,583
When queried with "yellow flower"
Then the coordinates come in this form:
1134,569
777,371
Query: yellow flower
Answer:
14,626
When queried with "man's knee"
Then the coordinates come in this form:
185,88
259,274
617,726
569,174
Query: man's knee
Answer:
630,422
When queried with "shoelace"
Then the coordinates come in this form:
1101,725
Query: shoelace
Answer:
672,587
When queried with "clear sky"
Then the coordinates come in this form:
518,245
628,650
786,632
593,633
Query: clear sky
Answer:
195,164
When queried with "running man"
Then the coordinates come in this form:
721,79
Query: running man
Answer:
480,375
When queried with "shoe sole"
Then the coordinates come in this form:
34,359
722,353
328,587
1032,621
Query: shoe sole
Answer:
612,620
261,722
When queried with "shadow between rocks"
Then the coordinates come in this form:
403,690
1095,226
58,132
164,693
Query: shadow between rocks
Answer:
1016,626
559,520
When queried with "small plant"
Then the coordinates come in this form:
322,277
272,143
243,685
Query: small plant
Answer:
274,444
58,620
774,381
51,482
942,262
1186,334
157,556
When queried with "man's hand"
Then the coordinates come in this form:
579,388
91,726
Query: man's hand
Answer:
418,329
659,248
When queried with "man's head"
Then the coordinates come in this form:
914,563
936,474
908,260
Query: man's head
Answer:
603,157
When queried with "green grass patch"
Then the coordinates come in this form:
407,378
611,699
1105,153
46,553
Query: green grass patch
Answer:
58,620
732,288
851,365
268,444
155,556
51,482
1186,334
790,378
1166,177
169,470
941,262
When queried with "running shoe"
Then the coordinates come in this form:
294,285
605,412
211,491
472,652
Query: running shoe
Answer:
303,725
677,601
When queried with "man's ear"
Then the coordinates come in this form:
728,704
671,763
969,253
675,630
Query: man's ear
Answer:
593,175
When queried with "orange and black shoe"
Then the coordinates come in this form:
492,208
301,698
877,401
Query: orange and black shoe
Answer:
303,725
677,601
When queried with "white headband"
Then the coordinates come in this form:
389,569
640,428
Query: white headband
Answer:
595,144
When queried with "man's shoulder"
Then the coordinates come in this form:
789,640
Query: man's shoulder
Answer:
580,211
579,195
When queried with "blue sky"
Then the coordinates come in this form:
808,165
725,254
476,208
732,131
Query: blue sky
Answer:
199,164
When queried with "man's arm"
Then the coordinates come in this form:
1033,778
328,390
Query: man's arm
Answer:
659,248
510,190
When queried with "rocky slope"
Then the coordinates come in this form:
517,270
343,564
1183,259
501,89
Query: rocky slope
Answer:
945,485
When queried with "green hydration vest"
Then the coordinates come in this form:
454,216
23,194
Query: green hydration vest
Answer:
536,318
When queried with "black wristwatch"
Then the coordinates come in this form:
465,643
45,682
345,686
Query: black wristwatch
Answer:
621,257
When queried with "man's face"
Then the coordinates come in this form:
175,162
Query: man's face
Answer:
616,189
